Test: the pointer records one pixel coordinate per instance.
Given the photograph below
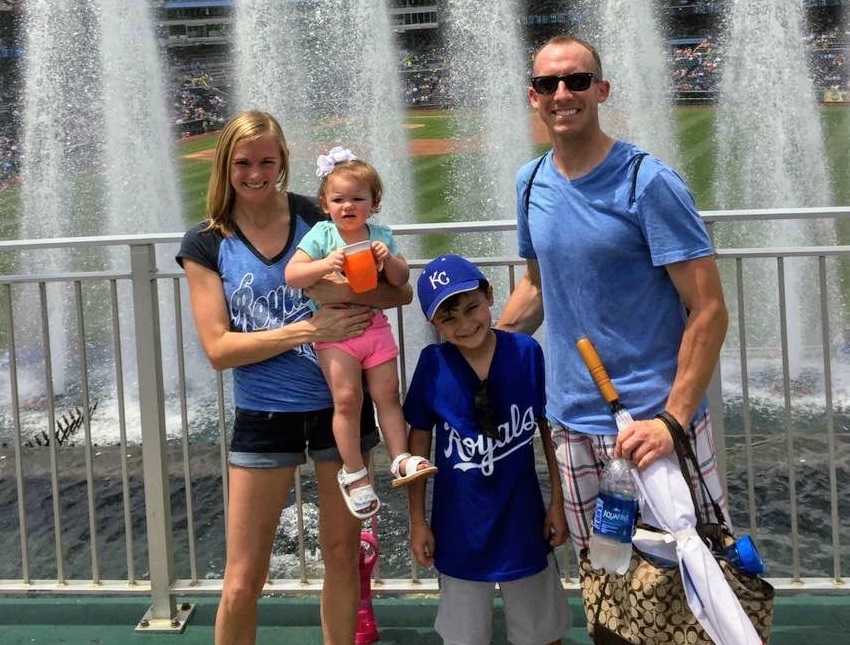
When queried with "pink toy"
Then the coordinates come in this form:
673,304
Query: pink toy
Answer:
367,627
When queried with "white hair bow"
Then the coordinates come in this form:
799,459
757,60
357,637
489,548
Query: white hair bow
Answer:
326,163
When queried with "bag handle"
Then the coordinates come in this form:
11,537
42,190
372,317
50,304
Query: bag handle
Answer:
526,198
637,160
687,458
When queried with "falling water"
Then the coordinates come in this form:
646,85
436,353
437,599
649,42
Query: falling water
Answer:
138,151
62,119
377,105
488,73
141,177
769,137
98,159
270,74
770,153
634,57
333,81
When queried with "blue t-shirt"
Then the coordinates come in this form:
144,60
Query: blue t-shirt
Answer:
602,266
258,298
487,514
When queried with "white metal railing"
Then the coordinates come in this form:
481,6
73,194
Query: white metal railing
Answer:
145,280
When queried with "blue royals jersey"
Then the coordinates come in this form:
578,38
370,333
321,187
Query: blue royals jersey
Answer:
258,298
488,513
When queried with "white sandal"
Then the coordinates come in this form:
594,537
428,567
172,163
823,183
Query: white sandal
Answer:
405,469
361,501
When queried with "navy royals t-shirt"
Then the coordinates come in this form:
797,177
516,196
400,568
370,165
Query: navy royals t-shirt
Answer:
258,298
488,513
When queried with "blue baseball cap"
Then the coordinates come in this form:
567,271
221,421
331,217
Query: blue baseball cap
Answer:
444,277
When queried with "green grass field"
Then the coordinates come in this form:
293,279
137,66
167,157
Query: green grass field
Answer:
697,150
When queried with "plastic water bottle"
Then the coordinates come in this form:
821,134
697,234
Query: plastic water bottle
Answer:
614,519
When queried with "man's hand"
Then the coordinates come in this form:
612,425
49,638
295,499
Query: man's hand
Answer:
555,526
422,543
643,442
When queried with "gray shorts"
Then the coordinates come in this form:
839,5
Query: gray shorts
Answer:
536,609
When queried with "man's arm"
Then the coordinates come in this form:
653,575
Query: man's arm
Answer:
698,284
523,311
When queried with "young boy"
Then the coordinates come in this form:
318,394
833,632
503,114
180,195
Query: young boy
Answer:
482,393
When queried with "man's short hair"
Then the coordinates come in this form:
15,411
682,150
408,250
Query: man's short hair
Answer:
565,39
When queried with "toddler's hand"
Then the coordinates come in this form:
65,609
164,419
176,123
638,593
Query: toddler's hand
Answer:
335,261
380,251
422,544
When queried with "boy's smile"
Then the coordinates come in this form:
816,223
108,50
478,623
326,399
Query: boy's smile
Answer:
466,322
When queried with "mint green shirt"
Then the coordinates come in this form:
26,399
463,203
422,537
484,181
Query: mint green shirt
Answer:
323,239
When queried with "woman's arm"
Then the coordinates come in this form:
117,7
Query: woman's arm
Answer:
333,289
394,267
396,270
225,348
302,271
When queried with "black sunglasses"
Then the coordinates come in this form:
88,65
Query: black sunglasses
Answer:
485,419
577,82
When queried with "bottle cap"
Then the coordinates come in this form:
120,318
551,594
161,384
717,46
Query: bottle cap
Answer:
744,555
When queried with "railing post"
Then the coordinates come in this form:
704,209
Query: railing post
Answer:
718,427
163,614
716,408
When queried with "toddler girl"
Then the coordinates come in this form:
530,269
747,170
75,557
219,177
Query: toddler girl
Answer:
349,192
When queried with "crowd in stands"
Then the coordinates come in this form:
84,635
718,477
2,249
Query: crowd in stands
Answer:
695,68
425,87
832,75
829,39
198,105
423,77
10,156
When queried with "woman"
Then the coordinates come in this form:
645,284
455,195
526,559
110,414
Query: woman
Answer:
248,319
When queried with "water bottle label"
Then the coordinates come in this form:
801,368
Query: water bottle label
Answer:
615,517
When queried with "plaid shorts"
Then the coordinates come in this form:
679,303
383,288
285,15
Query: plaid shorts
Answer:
582,458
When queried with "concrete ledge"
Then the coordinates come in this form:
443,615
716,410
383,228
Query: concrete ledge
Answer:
810,619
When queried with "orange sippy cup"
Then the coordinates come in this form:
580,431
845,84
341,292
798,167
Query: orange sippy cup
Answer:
360,268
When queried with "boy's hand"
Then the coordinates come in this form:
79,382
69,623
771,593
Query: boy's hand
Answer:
555,526
335,261
422,544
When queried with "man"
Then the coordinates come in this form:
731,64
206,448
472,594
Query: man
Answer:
616,251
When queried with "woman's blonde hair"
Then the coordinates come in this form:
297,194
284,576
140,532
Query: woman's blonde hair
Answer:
245,126
359,171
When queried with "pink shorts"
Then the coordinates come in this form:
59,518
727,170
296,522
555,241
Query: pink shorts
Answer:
373,347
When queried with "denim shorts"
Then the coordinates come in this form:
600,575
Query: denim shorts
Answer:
279,439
